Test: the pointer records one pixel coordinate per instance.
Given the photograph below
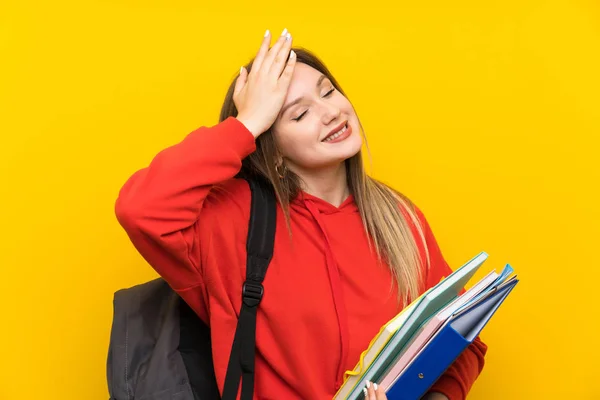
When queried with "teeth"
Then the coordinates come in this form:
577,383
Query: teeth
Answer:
336,135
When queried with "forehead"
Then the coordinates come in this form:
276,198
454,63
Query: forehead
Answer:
304,79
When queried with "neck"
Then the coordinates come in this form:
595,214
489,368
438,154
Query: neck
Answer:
329,184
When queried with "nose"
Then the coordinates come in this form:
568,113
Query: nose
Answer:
330,112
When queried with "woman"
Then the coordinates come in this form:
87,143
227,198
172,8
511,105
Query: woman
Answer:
349,252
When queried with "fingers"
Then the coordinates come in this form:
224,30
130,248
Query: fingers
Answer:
278,61
374,392
240,81
262,53
288,71
273,54
380,393
281,58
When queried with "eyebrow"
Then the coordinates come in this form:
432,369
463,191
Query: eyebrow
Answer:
299,99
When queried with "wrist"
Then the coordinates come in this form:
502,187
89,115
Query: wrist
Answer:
251,126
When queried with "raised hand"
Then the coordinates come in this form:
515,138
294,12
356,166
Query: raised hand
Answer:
259,95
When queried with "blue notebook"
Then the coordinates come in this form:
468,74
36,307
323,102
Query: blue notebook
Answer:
447,344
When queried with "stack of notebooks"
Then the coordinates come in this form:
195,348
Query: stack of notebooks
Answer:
415,348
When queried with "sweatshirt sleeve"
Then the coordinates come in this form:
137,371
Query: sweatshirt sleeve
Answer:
458,379
159,205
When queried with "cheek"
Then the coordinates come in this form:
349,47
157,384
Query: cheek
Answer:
345,106
297,139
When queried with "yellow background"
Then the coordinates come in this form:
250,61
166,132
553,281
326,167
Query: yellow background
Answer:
485,113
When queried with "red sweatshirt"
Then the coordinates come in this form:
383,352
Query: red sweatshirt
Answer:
325,297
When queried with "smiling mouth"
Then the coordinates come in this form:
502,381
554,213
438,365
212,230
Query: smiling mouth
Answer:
337,134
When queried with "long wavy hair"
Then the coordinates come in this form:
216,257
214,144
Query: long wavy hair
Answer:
384,211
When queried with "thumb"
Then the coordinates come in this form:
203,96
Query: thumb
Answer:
240,81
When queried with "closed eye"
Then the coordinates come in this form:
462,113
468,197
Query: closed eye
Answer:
329,93
300,116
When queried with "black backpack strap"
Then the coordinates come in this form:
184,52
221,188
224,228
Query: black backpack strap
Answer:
259,246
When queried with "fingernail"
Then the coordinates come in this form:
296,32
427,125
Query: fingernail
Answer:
375,386
288,36
365,392
368,384
241,70
284,32
292,54
267,33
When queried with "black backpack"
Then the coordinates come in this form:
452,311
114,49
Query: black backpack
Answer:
160,349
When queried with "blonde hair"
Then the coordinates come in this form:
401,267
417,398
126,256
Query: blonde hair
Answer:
380,206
